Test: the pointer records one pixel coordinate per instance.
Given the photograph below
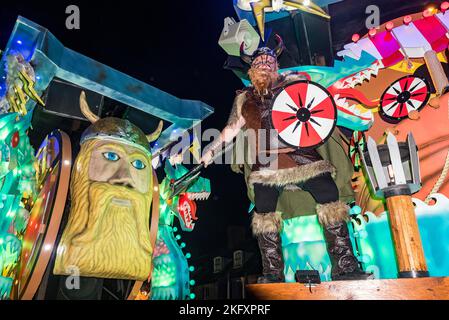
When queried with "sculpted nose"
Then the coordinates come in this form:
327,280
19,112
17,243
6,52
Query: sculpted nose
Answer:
122,178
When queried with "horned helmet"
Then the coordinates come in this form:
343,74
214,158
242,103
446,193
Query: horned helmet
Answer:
116,129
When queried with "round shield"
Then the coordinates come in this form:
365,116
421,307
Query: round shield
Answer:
54,159
356,143
304,114
403,96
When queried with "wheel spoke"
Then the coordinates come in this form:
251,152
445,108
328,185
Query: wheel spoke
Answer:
314,121
310,103
414,87
400,108
411,104
296,126
290,118
406,85
393,106
292,107
300,100
396,90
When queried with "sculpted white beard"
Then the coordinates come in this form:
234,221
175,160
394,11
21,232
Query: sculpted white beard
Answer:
116,243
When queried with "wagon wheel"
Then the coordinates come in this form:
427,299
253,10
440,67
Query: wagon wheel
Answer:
403,96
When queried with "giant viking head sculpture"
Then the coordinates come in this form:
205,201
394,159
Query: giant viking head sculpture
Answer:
107,234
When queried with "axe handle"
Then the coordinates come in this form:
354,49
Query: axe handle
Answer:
189,174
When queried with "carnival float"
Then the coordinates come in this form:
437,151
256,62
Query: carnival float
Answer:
368,124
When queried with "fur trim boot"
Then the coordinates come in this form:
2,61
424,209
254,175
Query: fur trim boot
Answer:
266,228
345,266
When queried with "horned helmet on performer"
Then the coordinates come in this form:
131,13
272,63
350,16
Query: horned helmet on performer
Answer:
263,64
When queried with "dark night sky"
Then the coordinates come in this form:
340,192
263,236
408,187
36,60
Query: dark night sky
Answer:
173,46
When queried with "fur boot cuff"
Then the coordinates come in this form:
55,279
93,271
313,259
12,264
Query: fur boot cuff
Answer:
266,223
291,176
332,213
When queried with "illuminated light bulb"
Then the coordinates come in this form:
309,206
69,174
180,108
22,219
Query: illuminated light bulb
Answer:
191,268
183,245
355,37
188,255
407,20
156,189
175,229
67,162
192,282
428,12
47,247
19,42
178,237
444,6
372,32
389,26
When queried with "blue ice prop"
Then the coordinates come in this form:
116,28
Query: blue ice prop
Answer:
376,245
304,247
53,60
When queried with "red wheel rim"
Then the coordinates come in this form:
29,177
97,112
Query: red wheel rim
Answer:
404,96
304,114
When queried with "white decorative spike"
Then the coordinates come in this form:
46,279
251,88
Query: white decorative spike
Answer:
396,161
377,164
414,160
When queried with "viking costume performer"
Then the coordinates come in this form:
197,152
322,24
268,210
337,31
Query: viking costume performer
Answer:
310,171
108,231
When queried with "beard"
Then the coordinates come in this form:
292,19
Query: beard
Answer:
115,242
262,80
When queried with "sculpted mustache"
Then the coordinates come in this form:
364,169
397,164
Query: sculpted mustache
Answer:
116,191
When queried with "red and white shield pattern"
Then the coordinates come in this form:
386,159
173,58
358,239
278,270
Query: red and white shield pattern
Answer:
404,96
304,114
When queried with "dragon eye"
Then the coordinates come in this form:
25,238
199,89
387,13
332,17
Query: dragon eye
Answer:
138,164
111,156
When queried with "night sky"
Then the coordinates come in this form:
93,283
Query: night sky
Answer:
174,46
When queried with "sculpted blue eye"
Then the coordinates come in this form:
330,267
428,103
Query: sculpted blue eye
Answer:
138,164
111,156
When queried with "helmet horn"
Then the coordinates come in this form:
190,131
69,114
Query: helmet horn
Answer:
85,109
280,46
245,57
155,135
